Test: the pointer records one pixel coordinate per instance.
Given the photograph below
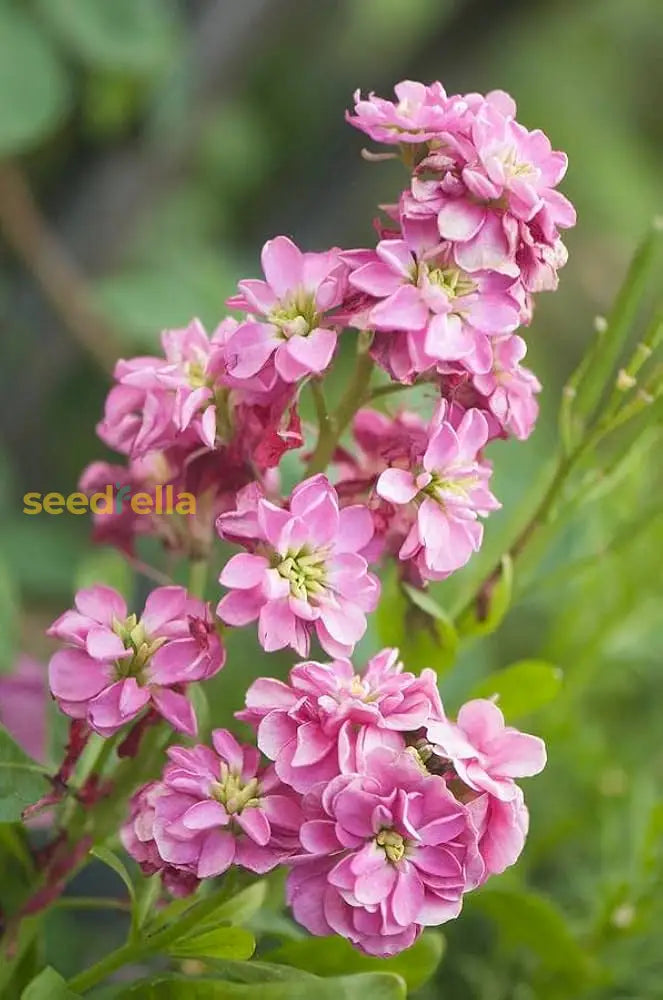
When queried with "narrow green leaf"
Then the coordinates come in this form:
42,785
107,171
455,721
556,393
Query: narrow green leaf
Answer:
22,781
110,859
486,614
369,986
33,84
325,956
48,985
244,905
521,688
411,620
221,942
589,385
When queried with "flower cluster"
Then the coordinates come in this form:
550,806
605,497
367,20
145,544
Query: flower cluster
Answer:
385,810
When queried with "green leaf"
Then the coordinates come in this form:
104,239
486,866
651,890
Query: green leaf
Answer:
130,35
33,85
589,382
325,956
260,972
411,620
221,942
105,566
369,986
22,781
485,615
48,985
529,920
523,687
244,905
110,859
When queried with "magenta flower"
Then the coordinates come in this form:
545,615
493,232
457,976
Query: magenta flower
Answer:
486,754
328,717
304,574
213,808
388,851
114,664
295,304
451,491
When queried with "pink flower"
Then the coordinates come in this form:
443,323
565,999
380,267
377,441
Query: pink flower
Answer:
115,665
295,303
451,490
422,113
388,851
444,313
213,808
327,717
486,754
304,573
23,706
501,829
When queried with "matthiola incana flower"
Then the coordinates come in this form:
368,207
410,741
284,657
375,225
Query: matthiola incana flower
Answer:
450,487
387,851
304,573
114,665
213,807
489,184
327,717
291,313
486,754
446,313
506,395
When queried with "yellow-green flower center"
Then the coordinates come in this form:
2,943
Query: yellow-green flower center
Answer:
296,315
305,571
233,794
133,635
393,845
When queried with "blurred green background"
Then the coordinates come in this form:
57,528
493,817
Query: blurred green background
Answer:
147,150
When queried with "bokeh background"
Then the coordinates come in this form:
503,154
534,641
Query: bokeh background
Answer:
147,150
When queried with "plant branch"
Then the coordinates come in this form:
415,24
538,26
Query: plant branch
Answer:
36,244
355,396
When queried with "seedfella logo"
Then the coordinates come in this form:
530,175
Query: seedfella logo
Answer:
112,500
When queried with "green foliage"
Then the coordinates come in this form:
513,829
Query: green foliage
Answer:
122,35
485,615
377,986
8,619
34,94
526,920
222,942
412,621
521,688
22,781
325,956
48,985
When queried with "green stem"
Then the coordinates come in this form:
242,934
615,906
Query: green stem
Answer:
353,398
159,942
